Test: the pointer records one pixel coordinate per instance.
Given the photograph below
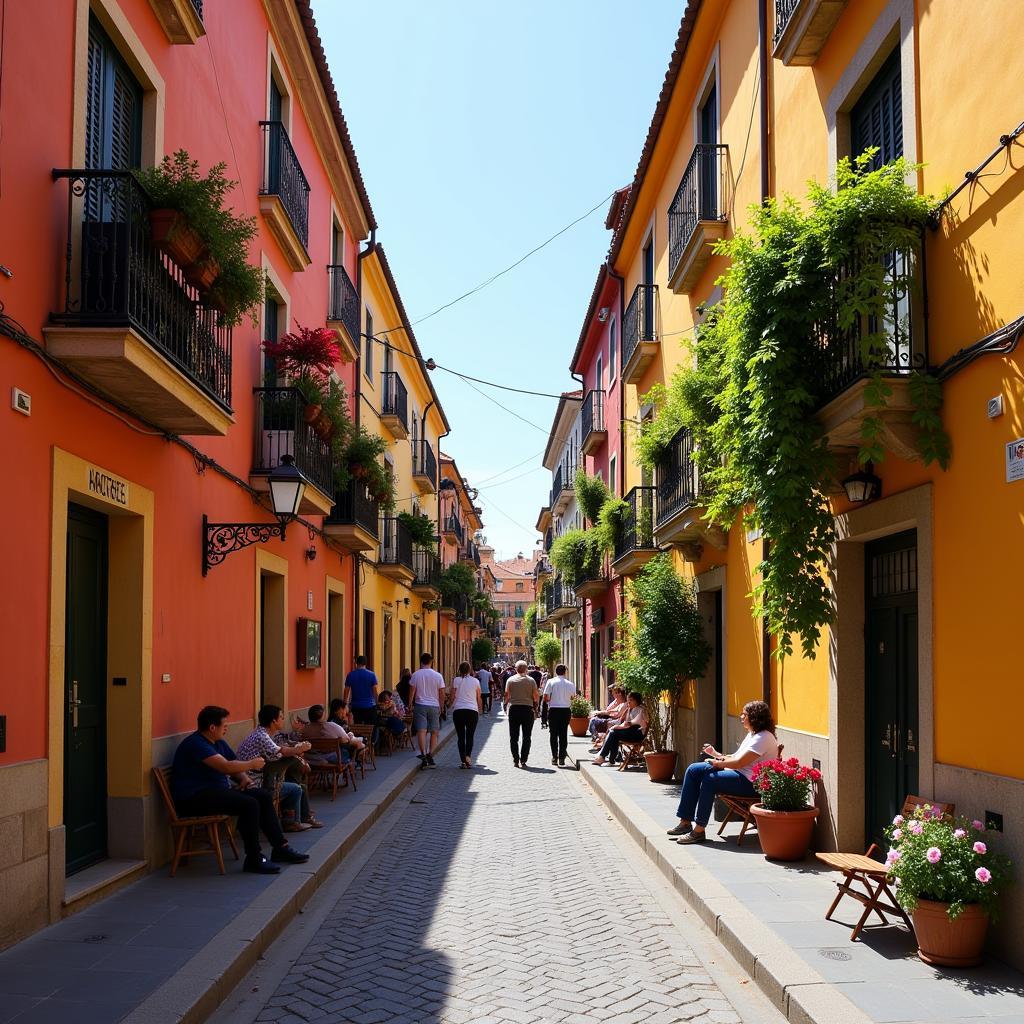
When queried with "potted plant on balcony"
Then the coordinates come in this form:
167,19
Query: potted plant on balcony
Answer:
577,555
659,654
947,877
420,527
785,816
192,224
579,715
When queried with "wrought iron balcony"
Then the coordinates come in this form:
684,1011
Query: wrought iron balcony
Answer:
639,333
592,429
284,188
394,404
697,215
802,28
181,20
592,582
542,569
282,429
344,306
355,518
121,295
427,568
634,546
424,465
453,528
549,538
562,491
560,600
681,516
198,5
395,557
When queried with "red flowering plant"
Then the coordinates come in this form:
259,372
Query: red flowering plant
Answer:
306,356
784,785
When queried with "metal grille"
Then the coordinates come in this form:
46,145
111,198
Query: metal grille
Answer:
356,506
198,5
676,477
281,429
894,572
783,12
344,302
426,566
454,525
592,413
395,542
638,320
114,277
424,462
637,533
394,397
701,196
283,177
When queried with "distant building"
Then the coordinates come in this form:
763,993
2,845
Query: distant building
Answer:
514,592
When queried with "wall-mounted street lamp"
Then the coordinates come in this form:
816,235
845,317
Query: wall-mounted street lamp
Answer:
863,486
287,485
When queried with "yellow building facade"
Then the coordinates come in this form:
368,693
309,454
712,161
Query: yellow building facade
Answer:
919,659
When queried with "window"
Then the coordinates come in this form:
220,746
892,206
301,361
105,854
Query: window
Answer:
271,332
613,347
519,588
337,244
613,477
877,117
368,637
599,375
368,355
113,125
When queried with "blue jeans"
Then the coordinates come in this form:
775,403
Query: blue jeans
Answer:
700,786
291,799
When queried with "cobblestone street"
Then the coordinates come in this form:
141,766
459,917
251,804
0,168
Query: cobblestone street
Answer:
493,896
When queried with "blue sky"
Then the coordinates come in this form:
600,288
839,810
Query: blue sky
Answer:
481,130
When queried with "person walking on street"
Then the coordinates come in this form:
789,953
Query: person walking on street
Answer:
426,690
361,693
538,677
558,692
467,705
484,676
521,701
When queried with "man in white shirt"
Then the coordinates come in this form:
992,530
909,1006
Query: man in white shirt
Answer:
484,676
426,694
558,692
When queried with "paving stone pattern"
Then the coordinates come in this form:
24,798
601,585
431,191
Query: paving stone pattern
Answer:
478,907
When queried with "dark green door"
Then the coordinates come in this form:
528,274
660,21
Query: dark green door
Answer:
85,671
890,678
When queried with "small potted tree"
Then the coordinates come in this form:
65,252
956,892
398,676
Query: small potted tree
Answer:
579,715
785,817
946,876
547,649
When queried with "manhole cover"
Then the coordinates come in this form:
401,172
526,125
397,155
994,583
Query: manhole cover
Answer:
835,954
96,938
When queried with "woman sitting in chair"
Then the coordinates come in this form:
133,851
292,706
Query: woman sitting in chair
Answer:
704,780
631,729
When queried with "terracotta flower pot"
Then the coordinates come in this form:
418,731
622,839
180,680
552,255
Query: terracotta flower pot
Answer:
324,426
171,233
959,943
201,273
784,835
578,726
357,470
661,766
311,413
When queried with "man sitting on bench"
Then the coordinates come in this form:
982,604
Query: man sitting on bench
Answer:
204,766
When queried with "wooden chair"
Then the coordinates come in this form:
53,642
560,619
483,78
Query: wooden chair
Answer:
366,755
862,869
739,807
185,829
324,773
633,753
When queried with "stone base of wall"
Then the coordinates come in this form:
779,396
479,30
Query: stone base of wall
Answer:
24,860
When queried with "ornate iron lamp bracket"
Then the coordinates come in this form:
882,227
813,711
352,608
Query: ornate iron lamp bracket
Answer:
220,539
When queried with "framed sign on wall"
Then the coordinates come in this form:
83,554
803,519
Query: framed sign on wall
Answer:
308,645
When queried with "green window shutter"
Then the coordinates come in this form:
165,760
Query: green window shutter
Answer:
877,118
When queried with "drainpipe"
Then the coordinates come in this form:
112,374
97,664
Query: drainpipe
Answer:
762,38
622,402
578,377
357,558
437,491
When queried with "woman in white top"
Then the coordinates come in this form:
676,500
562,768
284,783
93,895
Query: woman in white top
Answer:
600,721
720,774
466,708
631,729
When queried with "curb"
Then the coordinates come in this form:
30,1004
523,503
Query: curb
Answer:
202,984
798,991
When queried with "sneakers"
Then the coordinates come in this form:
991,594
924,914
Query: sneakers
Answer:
259,866
313,822
430,761
692,837
680,830
286,855
554,761
515,763
296,826
561,762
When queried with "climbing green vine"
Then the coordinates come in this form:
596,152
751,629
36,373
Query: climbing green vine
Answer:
802,274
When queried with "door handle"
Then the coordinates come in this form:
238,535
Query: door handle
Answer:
911,748
74,703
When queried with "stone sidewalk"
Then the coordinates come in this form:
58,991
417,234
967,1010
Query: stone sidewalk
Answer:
169,949
771,918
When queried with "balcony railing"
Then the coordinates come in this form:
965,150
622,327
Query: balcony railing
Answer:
461,605
454,525
427,567
549,538
424,462
559,595
783,12
395,543
344,307
283,177
592,414
394,399
198,5
638,320
556,486
542,568
701,196
355,506
281,429
841,356
637,532
114,277
676,477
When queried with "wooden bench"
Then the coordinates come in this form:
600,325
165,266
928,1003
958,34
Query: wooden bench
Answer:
186,829
739,807
872,876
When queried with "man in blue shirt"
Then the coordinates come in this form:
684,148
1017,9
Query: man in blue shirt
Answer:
201,776
361,693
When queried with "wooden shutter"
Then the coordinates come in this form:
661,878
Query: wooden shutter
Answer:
113,120
877,118
94,103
